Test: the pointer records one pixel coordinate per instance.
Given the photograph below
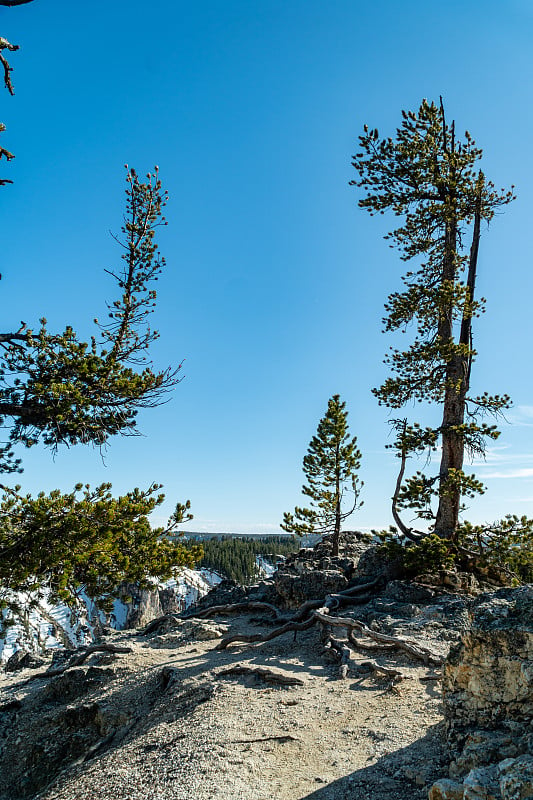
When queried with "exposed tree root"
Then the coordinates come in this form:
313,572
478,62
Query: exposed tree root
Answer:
77,660
236,608
284,738
373,666
413,648
346,597
342,653
365,647
153,626
267,675
323,617
303,611
229,608
362,587
257,637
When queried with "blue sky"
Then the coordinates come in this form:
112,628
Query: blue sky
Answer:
276,281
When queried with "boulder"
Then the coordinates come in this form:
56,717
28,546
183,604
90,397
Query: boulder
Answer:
488,677
516,778
446,789
22,659
313,584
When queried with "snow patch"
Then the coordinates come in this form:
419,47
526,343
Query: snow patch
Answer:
49,626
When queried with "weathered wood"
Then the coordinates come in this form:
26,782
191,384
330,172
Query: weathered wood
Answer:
265,674
323,617
409,646
155,623
343,597
357,644
236,608
395,674
343,655
283,738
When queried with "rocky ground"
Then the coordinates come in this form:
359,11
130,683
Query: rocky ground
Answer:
176,718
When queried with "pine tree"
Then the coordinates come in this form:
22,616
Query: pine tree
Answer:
56,389
330,468
430,179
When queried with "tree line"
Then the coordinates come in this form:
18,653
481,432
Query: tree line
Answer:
236,557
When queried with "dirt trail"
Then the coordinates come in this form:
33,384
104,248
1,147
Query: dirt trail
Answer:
185,733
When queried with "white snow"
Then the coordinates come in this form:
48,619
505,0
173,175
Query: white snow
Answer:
48,626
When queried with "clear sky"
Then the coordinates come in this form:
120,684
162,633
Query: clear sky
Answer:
276,281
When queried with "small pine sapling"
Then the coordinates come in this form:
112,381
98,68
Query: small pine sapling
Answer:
330,467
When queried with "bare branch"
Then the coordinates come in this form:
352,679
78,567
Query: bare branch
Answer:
409,646
5,45
236,608
76,661
414,536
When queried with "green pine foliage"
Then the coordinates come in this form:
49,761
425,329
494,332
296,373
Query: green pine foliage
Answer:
235,557
86,539
330,467
58,390
501,553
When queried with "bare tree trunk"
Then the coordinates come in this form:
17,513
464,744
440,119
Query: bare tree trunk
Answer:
453,415
337,530
457,385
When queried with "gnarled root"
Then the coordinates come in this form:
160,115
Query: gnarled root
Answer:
77,660
267,675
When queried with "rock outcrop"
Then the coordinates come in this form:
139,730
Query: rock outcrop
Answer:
312,573
488,702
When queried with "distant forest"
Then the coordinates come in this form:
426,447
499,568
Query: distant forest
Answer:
235,558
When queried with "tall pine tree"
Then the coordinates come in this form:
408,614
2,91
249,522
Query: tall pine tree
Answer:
430,178
330,467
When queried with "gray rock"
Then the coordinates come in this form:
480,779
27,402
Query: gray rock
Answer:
225,592
482,748
310,585
23,660
200,629
516,778
74,683
482,784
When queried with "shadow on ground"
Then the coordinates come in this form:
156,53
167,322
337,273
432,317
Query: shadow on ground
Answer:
404,774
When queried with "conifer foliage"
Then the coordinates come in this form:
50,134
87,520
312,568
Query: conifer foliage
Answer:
430,178
60,544
235,557
58,390
330,467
